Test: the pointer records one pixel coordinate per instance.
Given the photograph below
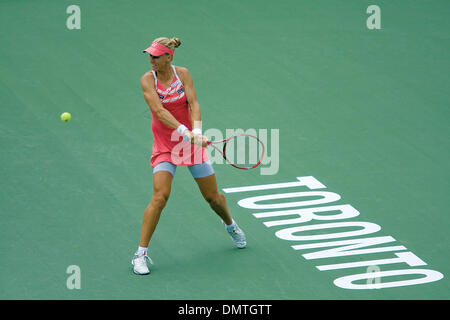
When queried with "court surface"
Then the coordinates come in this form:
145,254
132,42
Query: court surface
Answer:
365,112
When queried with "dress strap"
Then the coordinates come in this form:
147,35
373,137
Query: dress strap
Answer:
175,72
154,76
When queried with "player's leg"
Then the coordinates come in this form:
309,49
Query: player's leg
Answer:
162,183
206,181
216,200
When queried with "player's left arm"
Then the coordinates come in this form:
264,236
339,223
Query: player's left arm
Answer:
191,97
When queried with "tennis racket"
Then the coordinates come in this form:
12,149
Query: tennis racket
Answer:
242,151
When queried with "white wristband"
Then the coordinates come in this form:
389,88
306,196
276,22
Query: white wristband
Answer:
181,129
197,131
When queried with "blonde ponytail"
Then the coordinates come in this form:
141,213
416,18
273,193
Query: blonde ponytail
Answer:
169,43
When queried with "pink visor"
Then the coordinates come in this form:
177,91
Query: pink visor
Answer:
156,49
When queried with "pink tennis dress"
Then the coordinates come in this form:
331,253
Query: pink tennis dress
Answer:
168,144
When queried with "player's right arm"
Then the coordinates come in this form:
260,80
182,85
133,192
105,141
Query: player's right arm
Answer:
153,101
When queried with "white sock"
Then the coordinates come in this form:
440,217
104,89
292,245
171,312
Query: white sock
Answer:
142,250
231,226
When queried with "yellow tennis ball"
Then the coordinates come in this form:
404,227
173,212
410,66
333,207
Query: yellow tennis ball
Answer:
66,116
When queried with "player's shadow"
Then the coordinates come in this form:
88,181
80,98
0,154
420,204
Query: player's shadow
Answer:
221,259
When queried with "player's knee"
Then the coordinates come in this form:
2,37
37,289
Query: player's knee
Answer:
214,199
159,200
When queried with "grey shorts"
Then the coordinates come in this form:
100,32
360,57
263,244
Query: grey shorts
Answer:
201,170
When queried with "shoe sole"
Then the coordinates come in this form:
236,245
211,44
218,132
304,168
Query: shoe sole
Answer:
140,274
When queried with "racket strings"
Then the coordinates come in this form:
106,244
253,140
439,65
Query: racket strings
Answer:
243,151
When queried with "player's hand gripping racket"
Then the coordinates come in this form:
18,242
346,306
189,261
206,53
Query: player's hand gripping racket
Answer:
242,151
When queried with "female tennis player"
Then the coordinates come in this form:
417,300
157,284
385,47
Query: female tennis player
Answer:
178,141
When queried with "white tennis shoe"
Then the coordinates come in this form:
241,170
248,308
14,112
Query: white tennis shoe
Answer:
237,235
140,263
